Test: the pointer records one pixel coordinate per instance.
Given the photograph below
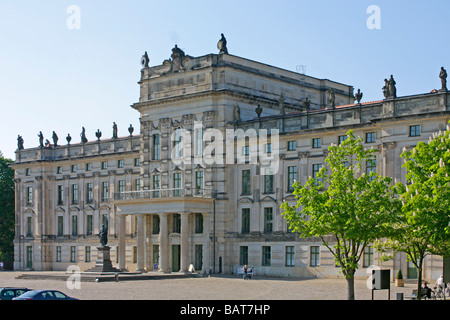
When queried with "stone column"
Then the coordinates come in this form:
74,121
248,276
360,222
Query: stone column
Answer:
122,246
184,242
140,242
163,243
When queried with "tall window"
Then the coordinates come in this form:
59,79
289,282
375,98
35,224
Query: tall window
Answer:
87,254
199,181
316,169
155,224
268,220
73,252
198,223
29,226
58,254
29,195
104,165
177,184
414,131
89,224
176,223
371,166
292,176
199,141
156,147
266,256
243,255
137,185
60,226
268,181
74,225
314,256
245,220
121,185
88,166
245,182
289,256
60,195
368,257
120,163
105,191
74,193
89,192
156,185
177,144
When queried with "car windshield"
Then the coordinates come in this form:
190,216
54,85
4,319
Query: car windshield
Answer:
28,294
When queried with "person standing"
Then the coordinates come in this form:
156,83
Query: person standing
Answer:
245,269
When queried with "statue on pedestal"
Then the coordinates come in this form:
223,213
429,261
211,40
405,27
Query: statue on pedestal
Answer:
19,142
103,235
55,139
443,77
114,131
83,135
41,139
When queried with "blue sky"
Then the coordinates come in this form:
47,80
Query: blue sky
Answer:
53,78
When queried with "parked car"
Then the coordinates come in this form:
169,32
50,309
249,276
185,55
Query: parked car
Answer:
9,293
44,295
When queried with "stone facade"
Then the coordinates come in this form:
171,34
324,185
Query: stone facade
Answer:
167,210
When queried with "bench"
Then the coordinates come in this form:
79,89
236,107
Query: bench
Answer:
250,271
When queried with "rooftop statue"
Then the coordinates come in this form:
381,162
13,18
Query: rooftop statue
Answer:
358,96
222,45
443,77
177,59
55,138
114,131
41,139
145,60
83,135
19,142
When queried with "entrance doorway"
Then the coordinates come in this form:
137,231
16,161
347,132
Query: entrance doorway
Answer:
176,257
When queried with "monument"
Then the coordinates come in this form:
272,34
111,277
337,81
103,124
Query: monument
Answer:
103,263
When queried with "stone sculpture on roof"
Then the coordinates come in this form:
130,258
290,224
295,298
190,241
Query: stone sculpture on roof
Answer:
222,45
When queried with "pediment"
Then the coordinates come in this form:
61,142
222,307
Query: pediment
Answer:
245,200
268,199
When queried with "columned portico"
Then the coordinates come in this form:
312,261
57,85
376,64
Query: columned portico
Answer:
163,243
141,242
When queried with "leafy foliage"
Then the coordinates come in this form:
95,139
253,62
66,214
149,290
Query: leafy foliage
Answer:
6,210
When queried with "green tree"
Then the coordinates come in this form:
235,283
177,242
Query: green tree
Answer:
6,210
423,224
343,206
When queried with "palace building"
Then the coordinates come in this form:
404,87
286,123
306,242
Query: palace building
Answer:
169,210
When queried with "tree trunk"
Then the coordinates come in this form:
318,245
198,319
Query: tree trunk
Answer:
351,288
419,284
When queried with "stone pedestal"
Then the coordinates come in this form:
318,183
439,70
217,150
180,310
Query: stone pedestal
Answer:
103,263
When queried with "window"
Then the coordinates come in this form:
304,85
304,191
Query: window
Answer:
176,151
155,224
27,171
73,257
199,141
292,176
88,166
120,163
75,194
29,195
89,192
314,256
60,226
245,220
198,223
292,145
59,170
317,143
87,254
60,195
73,168
156,186
137,185
199,180
266,256
246,182
176,223
268,181
316,170
29,226
289,256
89,224
134,256
137,162
268,220
368,257
74,226
177,184
243,255
121,185
370,137
342,139
198,262
371,166
268,148
414,131
245,150
156,146
105,191
58,254
104,165
155,254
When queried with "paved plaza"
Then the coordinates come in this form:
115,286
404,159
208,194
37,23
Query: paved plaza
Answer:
216,287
